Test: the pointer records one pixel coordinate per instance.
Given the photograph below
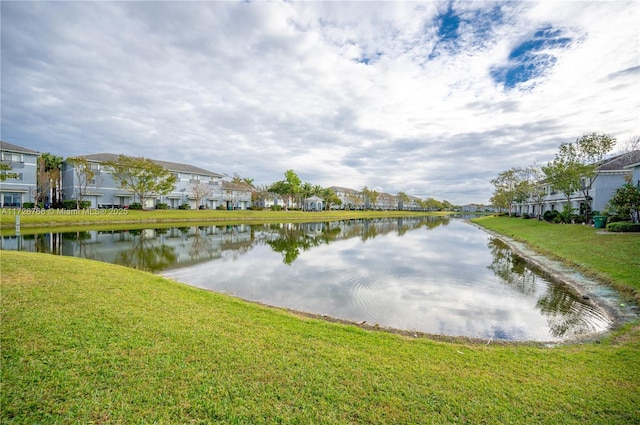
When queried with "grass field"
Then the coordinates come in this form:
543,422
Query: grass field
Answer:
53,218
88,342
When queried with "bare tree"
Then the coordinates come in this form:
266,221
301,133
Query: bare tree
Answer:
201,190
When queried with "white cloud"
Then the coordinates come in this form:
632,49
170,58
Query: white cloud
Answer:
347,94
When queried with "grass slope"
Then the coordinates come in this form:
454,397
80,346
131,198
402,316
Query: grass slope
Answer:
88,342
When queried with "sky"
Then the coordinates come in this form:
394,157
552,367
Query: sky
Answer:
430,98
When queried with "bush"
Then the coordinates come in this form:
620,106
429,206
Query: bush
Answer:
526,216
29,205
276,207
71,204
135,206
162,206
221,207
550,216
623,226
184,207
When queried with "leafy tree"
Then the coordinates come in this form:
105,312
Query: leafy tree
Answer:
241,180
370,197
626,202
447,206
531,187
402,199
288,188
509,188
142,176
48,177
283,190
432,204
577,165
4,174
330,198
85,177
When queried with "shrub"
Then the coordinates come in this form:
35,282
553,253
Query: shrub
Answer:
162,206
276,207
71,204
28,205
623,226
184,207
135,206
550,216
526,216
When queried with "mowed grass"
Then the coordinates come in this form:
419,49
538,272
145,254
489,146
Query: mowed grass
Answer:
88,342
612,257
53,218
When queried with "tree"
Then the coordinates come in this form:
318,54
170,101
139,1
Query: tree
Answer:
509,188
370,197
626,202
241,180
4,174
402,199
85,177
330,198
531,186
288,188
577,165
48,178
432,204
201,190
142,176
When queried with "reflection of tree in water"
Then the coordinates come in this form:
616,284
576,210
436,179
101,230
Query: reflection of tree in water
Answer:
146,255
563,310
294,239
200,243
511,268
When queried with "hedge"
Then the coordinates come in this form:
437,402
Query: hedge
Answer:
623,226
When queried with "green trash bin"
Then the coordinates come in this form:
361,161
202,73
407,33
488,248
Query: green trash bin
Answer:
599,221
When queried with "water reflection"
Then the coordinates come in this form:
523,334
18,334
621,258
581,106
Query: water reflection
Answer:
425,274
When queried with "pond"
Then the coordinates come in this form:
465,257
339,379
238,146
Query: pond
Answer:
423,274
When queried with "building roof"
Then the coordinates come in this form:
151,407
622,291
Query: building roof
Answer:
171,166
239,187
621,161
9,147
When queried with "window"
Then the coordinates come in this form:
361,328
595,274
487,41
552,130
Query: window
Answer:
11,199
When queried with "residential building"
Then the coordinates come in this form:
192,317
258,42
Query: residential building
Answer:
195,187
236,196
22,187
612,173
351,199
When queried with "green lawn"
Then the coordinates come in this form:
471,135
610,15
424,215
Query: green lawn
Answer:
51,218
88,342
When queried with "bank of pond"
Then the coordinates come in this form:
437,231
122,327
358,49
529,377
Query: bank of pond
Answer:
435,275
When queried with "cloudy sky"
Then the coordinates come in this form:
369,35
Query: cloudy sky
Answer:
429,98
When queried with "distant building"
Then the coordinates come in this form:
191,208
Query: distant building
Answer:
14,192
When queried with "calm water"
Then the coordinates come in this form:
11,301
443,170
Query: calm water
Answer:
440,276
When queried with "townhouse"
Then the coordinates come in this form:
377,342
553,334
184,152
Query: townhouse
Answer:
612,174
19,184
195,187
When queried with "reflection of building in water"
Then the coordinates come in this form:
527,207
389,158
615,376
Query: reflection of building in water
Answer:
150,249
163,248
